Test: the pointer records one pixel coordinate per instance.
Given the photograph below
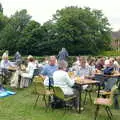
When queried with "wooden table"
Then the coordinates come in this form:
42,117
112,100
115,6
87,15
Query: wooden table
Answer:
80,82
112,75
104,76
12,69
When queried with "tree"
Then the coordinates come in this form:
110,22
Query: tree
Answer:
82,30
30,38
1,9
12,32
79,30
3,21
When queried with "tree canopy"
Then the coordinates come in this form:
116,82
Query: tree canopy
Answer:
79,30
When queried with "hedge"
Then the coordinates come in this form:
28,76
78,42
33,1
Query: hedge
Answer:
110,53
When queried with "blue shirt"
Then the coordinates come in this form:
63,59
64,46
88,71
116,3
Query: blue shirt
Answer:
48,70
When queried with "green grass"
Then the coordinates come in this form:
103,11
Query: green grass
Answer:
20,107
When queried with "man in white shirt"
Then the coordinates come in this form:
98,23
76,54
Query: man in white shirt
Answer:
83,70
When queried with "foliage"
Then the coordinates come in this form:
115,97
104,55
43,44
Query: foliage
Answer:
1,9
1,52
3,21
79,30
12,32
29,39
84,31
110,53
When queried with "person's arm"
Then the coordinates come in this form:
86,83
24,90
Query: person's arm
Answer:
69,81
2,64
44,71
10,64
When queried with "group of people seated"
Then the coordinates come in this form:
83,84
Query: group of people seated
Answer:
56,72
83,68
17,70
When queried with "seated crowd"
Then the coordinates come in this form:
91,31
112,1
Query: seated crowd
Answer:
56,73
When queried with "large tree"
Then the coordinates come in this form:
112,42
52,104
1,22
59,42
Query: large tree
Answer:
82,30
1,8
12,32
30,39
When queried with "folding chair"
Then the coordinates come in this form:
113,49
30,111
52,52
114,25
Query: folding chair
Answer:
88,91
106,102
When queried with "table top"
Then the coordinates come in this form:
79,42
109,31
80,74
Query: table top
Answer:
112,75
82,81
12,68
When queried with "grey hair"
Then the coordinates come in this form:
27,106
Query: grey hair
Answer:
62,64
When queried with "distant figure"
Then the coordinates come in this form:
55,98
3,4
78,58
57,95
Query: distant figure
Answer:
63,54
18,58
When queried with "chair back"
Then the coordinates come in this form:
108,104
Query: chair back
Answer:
36,72
113,92
58,92
39,87
118,84
38,79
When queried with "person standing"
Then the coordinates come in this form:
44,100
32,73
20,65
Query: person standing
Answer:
18,58
63,54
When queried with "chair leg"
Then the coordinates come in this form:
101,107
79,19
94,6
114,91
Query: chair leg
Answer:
65,108
90,97
108,113
84,102
36,100
96,112
49,102
45,100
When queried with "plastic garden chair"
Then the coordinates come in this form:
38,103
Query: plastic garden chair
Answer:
41,90
58,93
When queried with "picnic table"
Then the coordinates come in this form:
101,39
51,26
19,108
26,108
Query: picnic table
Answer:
79,82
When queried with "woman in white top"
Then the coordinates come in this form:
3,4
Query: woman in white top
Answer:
30,68
25,77
62,79
5,63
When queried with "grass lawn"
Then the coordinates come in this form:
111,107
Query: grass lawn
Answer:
20,107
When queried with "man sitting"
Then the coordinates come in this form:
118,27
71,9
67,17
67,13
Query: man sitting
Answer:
49,69
83,70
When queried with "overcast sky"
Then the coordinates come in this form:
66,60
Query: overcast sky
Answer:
42,10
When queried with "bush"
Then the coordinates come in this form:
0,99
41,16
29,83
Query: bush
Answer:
1,52
110,53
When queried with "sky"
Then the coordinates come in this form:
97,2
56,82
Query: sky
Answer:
42,10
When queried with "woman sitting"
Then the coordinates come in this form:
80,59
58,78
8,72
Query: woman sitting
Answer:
61,79
27,76
5,64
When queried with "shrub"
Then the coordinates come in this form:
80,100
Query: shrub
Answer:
110,53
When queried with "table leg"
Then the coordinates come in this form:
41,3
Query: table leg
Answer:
80,100
98,94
